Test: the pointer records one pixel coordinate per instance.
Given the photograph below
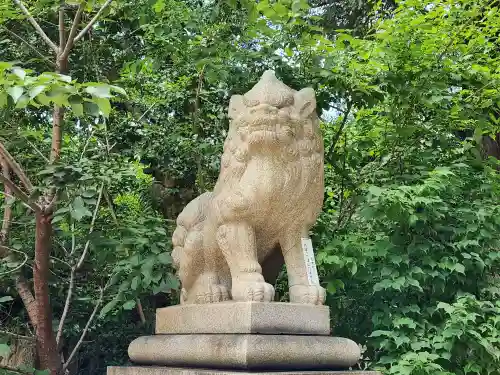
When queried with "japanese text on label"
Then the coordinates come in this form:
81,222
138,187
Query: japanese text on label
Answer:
310,261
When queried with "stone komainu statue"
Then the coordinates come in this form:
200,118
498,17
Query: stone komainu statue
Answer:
231,243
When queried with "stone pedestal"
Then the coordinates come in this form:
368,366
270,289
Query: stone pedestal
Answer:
233,337
180,371
244,317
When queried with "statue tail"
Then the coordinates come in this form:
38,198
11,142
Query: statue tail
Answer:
190,219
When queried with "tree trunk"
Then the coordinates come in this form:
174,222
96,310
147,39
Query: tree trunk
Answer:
46,340
26,295
47,348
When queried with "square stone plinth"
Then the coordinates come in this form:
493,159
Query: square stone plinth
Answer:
244,317
245,352
179,371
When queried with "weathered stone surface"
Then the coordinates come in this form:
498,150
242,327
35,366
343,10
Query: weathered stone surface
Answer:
245,352
244,317
267,197
187,371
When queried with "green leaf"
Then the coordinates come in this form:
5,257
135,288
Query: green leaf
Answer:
380,333
5,299
35,91
104,106
118,90
3,99
101,91
62,210
159,6
135,282
15,92
375,190
296,6
280,9
459,268
165,258
404,322
334,285
21,73
77,109
91,108
445,306
4,350
354,268
108,307
129,305
57,218
79,211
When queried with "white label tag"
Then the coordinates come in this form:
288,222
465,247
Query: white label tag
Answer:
310,261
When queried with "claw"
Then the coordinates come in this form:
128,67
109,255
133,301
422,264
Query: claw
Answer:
307,294
213,293
253,290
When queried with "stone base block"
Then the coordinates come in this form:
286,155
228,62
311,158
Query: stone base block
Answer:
187,371
245,352
244,317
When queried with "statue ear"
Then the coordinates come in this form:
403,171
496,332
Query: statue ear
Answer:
305,102
236,106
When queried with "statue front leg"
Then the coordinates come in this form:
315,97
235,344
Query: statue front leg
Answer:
237,242
302,289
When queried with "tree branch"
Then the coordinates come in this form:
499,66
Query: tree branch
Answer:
76,268
16,168
18,193
20,337
84,333
37,27
17,371
74,28
339,132
66,306
7,213
92,21
29,45
62,33
92,223
140,310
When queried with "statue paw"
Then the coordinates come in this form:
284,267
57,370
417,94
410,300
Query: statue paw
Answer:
252,289
213,293
307,294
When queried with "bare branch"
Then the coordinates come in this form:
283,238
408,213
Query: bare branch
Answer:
72,33
7,213
7,251
84,333
73,238
76,268
37,27
339,131
140,310
92,21
29,45
36,149
18,193
62,33
16,168
66,306
15,370
92,223
20,337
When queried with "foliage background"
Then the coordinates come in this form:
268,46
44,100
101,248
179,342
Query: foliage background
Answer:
408,92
